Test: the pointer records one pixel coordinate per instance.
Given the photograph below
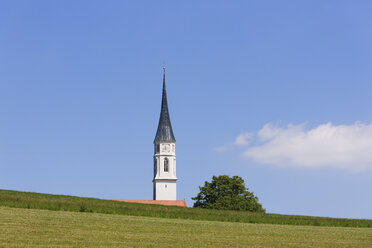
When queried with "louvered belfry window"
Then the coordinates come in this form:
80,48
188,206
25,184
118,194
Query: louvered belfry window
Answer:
166,165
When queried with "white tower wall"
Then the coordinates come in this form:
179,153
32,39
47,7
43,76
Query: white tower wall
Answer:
165,178
165,190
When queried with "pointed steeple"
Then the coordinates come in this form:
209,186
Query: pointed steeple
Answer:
165,131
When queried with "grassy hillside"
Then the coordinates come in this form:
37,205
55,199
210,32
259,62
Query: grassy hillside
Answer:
77,204
43,228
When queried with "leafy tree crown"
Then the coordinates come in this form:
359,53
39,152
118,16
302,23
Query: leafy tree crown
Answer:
228,193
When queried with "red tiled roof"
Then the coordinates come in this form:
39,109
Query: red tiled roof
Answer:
158,202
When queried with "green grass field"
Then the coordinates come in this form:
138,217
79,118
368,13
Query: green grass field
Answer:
78,204
43,220
44,228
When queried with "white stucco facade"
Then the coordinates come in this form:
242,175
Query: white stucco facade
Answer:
165,179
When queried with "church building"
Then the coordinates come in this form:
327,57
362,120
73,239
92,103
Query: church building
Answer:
165,179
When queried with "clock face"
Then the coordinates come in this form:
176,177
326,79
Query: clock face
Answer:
166,148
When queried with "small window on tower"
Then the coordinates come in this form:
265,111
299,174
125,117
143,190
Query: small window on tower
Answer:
155,167
157,148
166,165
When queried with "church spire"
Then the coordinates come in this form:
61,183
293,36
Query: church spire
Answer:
164,132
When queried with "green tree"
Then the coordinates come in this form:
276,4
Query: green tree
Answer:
227,193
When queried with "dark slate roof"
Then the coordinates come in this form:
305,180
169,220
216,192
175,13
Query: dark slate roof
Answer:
165,131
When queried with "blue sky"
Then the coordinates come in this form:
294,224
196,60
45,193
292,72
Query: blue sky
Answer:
277,92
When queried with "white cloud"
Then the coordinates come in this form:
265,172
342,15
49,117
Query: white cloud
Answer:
343,146
241,140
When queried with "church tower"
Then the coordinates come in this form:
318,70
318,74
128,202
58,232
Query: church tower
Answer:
165,179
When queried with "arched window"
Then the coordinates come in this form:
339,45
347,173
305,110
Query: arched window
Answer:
174,167
166,165
155,166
